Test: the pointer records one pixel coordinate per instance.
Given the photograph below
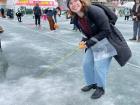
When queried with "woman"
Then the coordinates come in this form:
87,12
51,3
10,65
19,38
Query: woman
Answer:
56,11
92,21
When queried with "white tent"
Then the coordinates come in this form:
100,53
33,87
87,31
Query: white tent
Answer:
128,5
99,1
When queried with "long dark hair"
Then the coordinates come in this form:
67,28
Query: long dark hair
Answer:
59,9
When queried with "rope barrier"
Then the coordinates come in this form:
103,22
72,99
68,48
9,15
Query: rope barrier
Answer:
60,61
133,65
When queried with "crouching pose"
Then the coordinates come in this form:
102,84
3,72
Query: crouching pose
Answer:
93,22
19,15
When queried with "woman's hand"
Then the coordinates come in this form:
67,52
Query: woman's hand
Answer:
82,45
134,17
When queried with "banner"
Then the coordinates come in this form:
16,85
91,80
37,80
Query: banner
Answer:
33,2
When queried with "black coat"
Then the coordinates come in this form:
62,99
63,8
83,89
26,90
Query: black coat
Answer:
101,27
136,13
18,14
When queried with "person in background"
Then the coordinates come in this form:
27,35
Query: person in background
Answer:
92,21
19,15
56,11
50,19
44,16
10,13
1,31
2,13
37,14
136,21
126,13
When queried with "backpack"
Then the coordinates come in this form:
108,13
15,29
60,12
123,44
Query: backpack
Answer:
110,14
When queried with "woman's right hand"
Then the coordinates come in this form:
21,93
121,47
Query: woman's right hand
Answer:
134,17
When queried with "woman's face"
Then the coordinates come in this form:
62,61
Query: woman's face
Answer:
75,6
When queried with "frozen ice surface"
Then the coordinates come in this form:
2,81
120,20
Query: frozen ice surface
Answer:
45,67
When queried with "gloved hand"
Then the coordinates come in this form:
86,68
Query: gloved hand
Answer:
90,43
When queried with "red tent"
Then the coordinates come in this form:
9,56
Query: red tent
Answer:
49,3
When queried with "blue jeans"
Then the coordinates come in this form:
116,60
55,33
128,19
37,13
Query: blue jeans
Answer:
95,72
136,28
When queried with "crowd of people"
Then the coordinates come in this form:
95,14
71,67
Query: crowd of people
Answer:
49,14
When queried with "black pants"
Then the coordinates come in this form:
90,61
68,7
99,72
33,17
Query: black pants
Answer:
19,18
126,18
37,19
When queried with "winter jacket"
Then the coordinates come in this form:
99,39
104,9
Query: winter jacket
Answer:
50,13
37,10
101,27
18,14
136,13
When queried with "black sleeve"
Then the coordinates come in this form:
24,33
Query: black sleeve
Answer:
100,19
84,39
90,43
133,10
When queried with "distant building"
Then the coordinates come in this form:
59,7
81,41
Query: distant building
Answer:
98,0
62,4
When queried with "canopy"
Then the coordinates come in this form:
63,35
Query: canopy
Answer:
49,3
128,5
